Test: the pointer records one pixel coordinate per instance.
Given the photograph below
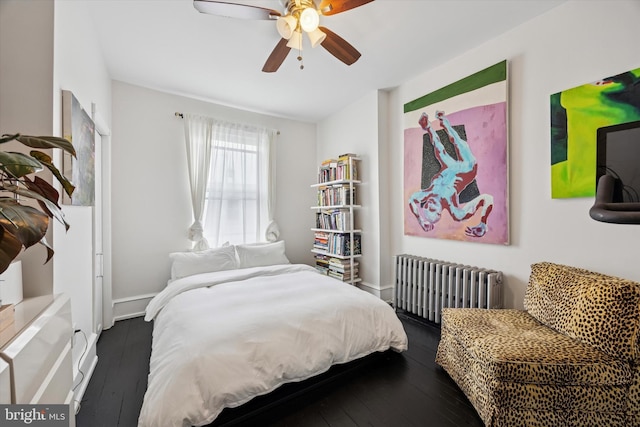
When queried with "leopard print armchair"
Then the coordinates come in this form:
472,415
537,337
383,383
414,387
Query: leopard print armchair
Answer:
569,359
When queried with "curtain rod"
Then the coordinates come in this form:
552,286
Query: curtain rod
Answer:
177,114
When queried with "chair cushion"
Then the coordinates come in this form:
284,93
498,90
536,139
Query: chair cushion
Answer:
512,346
634,394
599,310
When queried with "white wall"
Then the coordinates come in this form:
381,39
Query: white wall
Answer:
573,44
78,67
47,46
151,202
26,104
357,129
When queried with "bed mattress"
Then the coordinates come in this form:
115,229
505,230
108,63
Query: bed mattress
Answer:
221,339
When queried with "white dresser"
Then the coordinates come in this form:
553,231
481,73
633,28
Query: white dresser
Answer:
35,353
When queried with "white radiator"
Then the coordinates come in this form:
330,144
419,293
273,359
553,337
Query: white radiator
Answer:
423,286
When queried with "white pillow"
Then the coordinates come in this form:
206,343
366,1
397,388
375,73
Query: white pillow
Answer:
259,255
189,263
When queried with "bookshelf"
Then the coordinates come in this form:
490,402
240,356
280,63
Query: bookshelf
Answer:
337,241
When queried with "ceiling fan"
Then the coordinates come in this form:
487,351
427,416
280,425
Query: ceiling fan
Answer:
300,16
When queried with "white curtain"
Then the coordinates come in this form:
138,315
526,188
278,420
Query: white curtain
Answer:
240,197
272,232
198,132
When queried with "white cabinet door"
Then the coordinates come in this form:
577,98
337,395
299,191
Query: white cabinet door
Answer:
5,383
39,356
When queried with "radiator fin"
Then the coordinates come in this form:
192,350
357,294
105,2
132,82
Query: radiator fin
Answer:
423,286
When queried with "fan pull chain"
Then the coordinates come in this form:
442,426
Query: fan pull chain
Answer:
300,54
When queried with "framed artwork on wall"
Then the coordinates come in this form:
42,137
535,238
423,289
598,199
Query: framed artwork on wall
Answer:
455,160
576,116
78,127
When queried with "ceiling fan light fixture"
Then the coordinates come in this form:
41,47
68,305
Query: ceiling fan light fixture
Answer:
286,26
295,41
309,19
316,37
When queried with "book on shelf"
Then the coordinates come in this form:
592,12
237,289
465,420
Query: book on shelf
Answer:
338,268
345,243
340,244
333,219
344,168
322,260
321,241
336,195
323,270
342,265
322,263
341,276
337,243
340,262
347,168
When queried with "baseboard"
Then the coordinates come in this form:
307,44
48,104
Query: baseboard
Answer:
127,308
74,408
385,293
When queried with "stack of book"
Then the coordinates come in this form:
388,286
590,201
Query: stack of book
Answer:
346,169
342,168
337,268
341,269
327,171
322,263
321,241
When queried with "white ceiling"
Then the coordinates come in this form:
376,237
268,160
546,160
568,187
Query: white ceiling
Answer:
167,45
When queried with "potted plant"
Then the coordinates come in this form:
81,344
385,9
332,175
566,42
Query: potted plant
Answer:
22,225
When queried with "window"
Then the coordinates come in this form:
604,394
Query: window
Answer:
231,181
232,204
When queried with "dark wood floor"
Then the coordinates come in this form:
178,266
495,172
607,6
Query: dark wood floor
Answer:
386,390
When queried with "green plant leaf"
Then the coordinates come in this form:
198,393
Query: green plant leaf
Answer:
23,226
7,138
50,207
18,164
46,190
68,187
26,223
44,243
47,142
10,247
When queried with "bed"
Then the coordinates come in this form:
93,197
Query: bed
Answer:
223,337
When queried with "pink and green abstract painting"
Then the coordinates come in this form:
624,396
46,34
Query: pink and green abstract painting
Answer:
455,160
576,115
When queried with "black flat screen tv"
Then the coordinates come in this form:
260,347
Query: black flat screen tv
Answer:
618,155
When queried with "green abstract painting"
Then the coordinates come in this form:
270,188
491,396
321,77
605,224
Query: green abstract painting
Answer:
576,115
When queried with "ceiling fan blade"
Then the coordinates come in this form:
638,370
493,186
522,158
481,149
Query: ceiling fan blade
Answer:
339,47
332,7
277,57
234,10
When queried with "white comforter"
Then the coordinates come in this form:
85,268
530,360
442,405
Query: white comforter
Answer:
257,328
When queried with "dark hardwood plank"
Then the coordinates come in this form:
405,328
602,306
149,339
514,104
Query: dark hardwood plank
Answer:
383,390
116,389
